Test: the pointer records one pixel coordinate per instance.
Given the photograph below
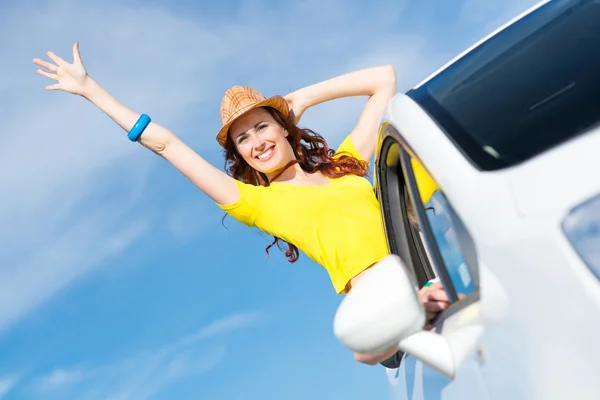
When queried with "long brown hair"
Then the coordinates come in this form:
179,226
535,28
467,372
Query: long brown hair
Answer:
312,154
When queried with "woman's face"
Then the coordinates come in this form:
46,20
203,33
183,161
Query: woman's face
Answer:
261,141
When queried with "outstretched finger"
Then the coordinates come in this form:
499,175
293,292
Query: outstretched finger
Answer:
45,64
435,306
76,55
56,86
59,61
47,74
438,295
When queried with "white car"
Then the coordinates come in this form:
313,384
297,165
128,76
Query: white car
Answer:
499,154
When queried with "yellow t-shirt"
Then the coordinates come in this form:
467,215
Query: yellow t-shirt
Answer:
338,225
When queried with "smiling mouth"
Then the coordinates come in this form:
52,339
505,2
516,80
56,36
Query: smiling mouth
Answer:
266,155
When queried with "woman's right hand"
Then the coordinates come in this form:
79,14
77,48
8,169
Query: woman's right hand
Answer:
71,78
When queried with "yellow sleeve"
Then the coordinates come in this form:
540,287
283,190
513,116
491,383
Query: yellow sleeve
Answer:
247,207
348,148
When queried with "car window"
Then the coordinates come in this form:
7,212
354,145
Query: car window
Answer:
439,218
403,238
525,90
446,240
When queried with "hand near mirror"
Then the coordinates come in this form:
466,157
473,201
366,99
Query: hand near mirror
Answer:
435,300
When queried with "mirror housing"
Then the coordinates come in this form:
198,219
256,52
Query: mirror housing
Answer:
381,310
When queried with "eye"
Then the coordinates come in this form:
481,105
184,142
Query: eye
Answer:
242,138
261,127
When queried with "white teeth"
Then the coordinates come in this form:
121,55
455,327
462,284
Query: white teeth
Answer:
265,154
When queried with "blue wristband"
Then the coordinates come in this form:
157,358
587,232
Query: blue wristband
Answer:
139,127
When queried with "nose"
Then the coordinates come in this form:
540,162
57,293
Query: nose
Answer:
258,143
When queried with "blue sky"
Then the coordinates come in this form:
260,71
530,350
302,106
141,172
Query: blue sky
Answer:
117,280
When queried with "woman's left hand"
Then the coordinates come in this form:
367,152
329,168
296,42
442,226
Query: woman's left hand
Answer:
296,106
435,300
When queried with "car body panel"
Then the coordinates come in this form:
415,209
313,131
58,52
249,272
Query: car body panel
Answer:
553,297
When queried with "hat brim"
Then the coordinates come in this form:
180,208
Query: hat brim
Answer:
276,102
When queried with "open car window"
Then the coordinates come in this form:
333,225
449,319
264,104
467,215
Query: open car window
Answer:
450,249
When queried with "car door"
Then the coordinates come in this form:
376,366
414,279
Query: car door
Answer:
426,232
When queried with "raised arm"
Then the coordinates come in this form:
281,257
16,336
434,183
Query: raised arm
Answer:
73,78
379,83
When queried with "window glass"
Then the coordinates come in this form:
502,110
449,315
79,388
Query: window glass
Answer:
527,89
447,239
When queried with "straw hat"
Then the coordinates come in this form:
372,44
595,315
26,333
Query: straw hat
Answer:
241,99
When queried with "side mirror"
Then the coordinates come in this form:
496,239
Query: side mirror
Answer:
381,310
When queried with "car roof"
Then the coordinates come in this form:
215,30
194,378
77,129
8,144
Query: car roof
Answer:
479,42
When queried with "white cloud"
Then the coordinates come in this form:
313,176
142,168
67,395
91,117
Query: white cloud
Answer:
143,374
223,326
406,52
60,378
137,377
7,383
67,257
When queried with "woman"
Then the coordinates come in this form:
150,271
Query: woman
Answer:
282,179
